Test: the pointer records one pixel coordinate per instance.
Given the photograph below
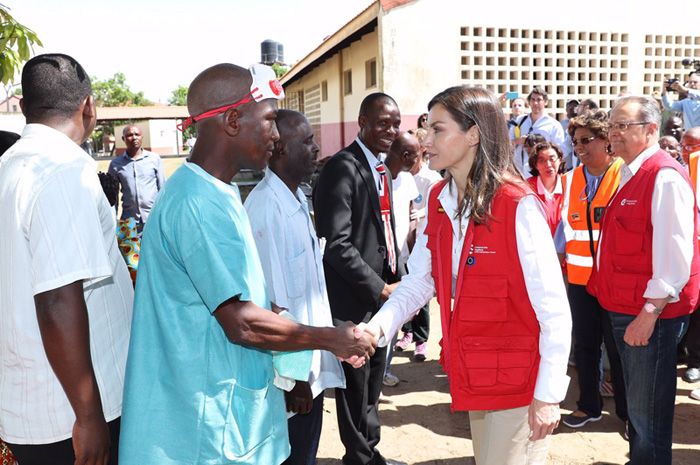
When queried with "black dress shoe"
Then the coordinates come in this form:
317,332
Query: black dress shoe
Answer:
691,375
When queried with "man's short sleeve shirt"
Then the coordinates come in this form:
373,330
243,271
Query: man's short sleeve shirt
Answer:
57,228
191,395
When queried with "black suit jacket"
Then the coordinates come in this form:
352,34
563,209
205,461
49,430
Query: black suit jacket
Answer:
348,216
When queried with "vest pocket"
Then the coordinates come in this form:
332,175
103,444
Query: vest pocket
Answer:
628,288
634,230
497,365
483,299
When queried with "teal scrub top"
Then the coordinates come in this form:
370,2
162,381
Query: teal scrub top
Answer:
191,396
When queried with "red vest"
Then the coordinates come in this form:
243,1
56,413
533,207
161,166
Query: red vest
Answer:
625,265
552,208
490,341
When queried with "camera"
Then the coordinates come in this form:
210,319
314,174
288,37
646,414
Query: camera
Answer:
691,62
685,62
668,83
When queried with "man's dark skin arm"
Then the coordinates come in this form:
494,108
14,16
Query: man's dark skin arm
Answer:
63,323
247,324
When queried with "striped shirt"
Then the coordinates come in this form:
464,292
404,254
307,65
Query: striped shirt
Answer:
57,228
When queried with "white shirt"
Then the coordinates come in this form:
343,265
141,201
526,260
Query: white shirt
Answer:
546,126
543,281
673,237
425,178
373,161
404,192
292,264
541,190
57,228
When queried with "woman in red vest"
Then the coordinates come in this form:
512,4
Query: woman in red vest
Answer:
546,165
487,252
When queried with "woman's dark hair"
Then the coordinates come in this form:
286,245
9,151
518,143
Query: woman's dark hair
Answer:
595,121
421,118
533,139
534,153
493,164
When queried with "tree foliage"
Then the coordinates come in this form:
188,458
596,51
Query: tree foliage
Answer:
16,45
279,69
115,92
178,96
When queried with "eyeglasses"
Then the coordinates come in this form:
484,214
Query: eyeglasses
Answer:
626,124
583,140
687,147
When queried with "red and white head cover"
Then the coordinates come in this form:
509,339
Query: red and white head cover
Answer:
264,86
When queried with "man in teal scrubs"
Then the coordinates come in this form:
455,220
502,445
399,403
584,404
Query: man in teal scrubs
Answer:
199,378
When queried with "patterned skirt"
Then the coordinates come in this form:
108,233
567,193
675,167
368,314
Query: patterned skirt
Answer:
6,457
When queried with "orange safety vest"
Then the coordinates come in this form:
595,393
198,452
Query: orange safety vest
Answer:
581,219
693,169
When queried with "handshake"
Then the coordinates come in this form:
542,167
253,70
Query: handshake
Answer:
355,344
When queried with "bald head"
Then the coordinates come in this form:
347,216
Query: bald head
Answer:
288,121
692,135
403,153
217,86
690,143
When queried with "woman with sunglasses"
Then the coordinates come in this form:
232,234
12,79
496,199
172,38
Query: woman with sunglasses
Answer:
486,247
546,166
587,190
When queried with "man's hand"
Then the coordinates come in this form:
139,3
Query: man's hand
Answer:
362,328
639,331
91,441
543,419
388,289
299,399
349,345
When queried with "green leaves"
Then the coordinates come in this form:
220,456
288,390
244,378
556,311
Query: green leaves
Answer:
16,46
115,92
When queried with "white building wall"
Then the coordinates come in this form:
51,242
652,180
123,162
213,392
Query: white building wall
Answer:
596,49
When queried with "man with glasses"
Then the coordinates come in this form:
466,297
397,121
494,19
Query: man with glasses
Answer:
646,273
537,122
688,102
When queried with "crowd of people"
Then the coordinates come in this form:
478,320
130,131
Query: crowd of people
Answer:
539,238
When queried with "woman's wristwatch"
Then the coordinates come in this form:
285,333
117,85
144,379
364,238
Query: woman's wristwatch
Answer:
651,308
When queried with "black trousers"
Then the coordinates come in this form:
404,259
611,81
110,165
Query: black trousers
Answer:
304,434
419,325
61,453
358,411
591,327
692,341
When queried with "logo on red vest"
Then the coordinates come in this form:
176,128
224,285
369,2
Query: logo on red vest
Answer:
630,202
483,249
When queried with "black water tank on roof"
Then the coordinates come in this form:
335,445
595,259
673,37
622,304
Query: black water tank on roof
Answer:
269,52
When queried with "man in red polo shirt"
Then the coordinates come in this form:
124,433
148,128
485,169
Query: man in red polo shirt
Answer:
646,273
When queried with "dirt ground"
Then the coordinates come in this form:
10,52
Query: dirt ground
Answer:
418,428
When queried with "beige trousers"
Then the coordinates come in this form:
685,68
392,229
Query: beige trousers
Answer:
500,437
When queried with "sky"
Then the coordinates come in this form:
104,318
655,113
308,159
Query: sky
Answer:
161,44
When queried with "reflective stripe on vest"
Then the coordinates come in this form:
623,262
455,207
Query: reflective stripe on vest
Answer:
577,216
693,169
